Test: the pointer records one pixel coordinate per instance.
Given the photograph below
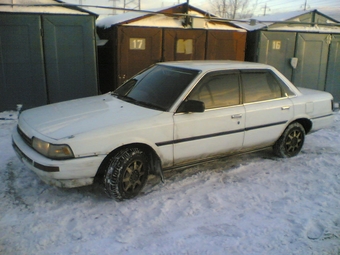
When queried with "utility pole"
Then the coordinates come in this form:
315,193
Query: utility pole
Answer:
265,9
132,4
114,5
224,9
305,6
235,9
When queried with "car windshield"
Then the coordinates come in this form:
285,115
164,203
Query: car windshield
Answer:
157,87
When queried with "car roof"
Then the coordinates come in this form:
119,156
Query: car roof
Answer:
209,65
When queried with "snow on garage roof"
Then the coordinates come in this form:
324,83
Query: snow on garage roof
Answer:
283,21
119,19
132,16
158,18
40,6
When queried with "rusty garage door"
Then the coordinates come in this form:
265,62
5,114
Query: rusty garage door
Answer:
223,44
138,48
184,44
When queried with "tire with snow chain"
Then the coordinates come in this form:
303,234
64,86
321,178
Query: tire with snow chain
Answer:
126,174
291,141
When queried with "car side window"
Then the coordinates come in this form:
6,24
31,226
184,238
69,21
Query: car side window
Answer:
219,90
260,86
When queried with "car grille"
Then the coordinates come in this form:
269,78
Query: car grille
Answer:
27,140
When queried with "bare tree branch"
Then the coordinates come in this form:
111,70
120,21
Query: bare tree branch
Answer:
232,9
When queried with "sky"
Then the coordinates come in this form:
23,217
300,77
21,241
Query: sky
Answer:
260,7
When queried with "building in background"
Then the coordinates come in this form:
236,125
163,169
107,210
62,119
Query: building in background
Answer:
137,40
47,53
303,45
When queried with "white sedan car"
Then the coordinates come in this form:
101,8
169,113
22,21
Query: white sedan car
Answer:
169,115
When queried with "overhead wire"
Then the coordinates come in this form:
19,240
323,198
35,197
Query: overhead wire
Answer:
135,10
277,2
274,6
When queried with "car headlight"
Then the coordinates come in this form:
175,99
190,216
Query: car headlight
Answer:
53,151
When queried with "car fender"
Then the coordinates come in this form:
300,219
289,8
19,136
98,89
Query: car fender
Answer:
104,141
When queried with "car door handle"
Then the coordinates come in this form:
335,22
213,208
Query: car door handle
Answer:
285,108
236,116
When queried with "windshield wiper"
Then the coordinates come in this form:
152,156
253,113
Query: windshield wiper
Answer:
137,102
149,105
124,98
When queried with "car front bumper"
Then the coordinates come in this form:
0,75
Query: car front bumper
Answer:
69,173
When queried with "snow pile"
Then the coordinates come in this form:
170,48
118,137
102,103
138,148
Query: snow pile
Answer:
247,204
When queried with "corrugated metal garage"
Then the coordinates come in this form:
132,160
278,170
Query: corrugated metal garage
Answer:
303,45
137,40
47,53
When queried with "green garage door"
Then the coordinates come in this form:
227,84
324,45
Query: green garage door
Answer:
276,49
70,56
333,72
46,59
312,54
22,75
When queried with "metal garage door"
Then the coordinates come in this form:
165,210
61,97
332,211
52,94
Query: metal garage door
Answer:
333,72
276,49
70,57
22,75
228,45
312,54
184,44
138,48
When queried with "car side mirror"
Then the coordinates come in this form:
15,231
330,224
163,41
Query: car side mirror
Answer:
191,106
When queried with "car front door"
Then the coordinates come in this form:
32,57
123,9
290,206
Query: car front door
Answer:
267,105
217,130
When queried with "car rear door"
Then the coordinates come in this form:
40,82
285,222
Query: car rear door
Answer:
267,105
220,128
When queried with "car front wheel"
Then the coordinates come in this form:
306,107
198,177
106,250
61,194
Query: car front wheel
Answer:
126,174
291,141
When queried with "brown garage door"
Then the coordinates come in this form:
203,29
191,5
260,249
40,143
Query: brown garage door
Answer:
184,44
138,48
226,45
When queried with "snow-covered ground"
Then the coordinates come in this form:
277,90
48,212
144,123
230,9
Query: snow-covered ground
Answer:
247,204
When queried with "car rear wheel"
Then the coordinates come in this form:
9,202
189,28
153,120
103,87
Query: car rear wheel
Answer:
126,174
291,141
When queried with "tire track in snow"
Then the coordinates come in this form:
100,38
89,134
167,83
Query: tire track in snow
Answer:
15,198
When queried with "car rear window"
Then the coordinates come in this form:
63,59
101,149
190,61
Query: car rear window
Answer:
260,86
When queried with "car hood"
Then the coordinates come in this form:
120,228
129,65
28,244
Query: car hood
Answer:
67,119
